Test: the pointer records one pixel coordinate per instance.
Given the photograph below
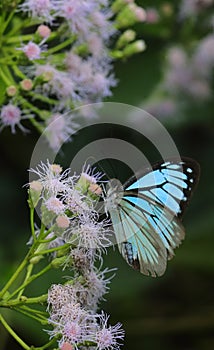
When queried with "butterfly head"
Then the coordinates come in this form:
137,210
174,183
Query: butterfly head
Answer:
114,195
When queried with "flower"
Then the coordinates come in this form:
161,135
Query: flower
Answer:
32,51
42,9
90,234
62,221
96,286
11,115
60,128
190,8
66,346
109,337
52,178
55,205
68,58
44,31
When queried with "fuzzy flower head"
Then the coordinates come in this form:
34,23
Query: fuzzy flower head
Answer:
91,234
52,177
97,285
66,346
41,9
32,51
55,205
11,115
109,337
60,128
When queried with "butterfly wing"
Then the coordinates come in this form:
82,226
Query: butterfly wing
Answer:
146,220
169,184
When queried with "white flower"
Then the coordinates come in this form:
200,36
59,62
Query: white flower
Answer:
60,128
97,286
42,9
55,205
91,234
11,115
109,337
52,177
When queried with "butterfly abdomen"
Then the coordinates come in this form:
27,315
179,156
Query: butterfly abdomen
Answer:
129,255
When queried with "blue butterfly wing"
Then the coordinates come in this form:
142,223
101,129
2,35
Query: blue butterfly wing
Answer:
169,183
137,241
147,219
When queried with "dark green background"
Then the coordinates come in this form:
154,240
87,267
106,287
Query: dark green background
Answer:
175,311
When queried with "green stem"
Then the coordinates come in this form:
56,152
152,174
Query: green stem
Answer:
32,223
29,22
19,38
24,300
14,335
46,346
18,72
38,127
14,276
30,106
31,279
43,98
5,78
47,251
4,26
42,320
61,46
28,274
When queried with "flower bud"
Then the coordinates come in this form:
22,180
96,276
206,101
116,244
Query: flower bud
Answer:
128,36
44,31
119,4
34,193
11,90
130,15
26,84
136,47
58,262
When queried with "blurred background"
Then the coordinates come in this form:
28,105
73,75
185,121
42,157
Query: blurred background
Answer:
173,80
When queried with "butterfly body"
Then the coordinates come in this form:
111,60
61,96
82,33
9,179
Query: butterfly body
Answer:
146,213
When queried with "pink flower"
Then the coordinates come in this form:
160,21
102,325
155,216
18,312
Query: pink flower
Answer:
32,51
107,337
42,9
60,129
152,15
66,346
44,31
55,205
10,116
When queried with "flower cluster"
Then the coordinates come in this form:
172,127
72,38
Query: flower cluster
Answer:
71,222
191,8
185,79
67,206
188,67
78,327
57,55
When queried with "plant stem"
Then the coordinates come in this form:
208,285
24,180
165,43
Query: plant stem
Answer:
61,46
32,223
28,274
14,276
52,341
47,251
31,313
19,38
4,26
31,279
14,335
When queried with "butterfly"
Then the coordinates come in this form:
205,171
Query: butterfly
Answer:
146,213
